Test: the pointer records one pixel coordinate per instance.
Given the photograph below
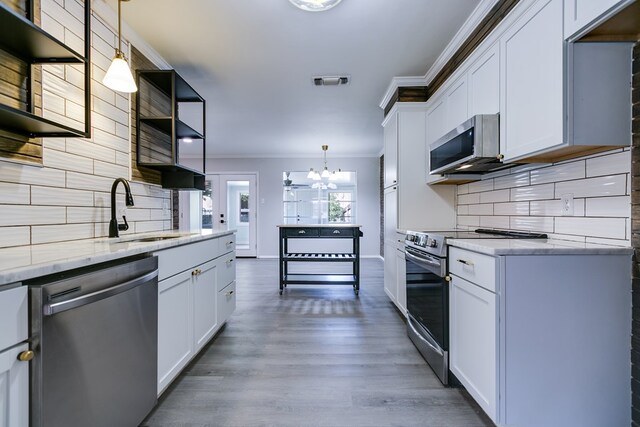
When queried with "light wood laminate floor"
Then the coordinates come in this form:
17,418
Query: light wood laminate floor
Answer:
315,356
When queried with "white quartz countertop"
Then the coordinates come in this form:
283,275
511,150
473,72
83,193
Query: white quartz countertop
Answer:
27,262
537,247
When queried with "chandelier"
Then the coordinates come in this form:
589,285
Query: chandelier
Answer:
315,5
317,176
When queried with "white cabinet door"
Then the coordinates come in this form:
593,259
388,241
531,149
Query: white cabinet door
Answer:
14,309
436,121
14,388
579,13
391,151
390,271
456,99
532,82
472,339
401,280
175,327
205,291
484,83
390,214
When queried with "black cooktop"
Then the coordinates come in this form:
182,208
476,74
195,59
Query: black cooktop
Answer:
486,233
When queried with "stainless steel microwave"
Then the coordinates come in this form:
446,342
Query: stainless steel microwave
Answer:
471,147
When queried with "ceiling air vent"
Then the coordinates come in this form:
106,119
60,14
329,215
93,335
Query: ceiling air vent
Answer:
330,80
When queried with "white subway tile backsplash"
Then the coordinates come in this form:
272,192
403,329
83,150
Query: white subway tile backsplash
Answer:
88,215
532,223
479,186
148,202
14,194
610,164
463,210
486,209
612,242
111,141
512,180
85,148
122,159
122,131
103,123
463,189
554,207
110,169
137,214
53,27
534,192
610,228
619,207
61,160
74,74
160,214
614,185
31,215
494,196
98,90
75,9
14,236
111,111
63,17
501,222
88,182
54,144
148,226
28,174
468,199
466,220
511,208
73,41
60,233
563,172
60,197
100,29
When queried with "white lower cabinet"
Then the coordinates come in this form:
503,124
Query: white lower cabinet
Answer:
14,373
14,388
390,271
192,304
545,341
472,345
401,269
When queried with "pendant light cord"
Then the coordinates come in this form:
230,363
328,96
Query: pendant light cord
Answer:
119,27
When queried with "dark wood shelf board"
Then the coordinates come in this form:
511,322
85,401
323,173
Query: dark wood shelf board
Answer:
27,41
162,80
320,279
25,123
163,124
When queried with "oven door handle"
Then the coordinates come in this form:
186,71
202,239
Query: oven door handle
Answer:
427,340
434,266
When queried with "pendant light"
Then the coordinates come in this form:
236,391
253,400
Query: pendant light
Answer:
119,76
315,5
317,176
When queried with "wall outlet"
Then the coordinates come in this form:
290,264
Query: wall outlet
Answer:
567,204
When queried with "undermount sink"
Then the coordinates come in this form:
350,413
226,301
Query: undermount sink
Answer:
146,239
153,239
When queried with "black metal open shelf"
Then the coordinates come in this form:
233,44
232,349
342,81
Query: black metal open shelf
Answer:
162,79
25,40
320,257
320,279
28,124
164,124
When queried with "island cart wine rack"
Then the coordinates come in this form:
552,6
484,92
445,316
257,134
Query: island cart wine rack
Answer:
332,231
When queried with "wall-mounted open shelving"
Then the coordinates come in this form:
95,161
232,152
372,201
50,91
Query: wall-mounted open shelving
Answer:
23,39
159,128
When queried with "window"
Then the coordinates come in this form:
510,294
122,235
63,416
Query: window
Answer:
243,214
325,201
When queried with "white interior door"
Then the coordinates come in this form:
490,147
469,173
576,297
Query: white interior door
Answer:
233,200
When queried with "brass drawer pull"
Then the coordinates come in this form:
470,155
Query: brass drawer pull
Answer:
229,293
196,272
465,262
26,355
229,261
230,243
302,232
336,231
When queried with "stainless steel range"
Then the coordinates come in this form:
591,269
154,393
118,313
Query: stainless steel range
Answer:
428,290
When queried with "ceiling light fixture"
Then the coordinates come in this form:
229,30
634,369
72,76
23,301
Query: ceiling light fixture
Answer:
315,5
317,176
119,77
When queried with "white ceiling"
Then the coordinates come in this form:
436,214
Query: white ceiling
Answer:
253,60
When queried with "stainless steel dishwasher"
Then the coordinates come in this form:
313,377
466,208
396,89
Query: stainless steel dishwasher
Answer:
94,332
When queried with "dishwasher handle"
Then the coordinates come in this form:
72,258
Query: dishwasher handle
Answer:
51,309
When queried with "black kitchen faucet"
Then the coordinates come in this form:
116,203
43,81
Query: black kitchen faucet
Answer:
114,227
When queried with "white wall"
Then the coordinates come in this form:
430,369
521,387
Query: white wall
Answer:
270,208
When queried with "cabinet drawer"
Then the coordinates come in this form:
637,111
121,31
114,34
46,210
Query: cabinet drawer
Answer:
226,302
474,267
227,243
301,232
180,258
338,232
226,270
13,316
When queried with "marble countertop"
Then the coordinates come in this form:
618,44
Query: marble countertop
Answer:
27,262
537,247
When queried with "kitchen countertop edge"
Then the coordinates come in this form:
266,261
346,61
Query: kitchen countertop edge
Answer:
22,263
537,247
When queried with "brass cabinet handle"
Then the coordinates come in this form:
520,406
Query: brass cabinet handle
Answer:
229,261
26,355
500,156
465,262
336,231
230,243
196,272
302,232
447,278
229,293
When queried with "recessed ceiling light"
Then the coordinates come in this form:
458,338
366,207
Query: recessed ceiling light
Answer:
315,5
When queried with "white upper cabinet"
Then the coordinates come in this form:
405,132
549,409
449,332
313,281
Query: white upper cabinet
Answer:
578,14
532,85
484,83
391,150
456,100
436,114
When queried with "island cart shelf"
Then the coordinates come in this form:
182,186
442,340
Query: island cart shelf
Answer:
332,231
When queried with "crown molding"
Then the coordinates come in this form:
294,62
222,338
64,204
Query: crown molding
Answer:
110,18
476,17
404,107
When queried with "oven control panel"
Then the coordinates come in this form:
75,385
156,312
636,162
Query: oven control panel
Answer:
431,243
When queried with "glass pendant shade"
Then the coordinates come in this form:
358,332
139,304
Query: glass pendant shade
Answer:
119,77
325,173
311,174
315,5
